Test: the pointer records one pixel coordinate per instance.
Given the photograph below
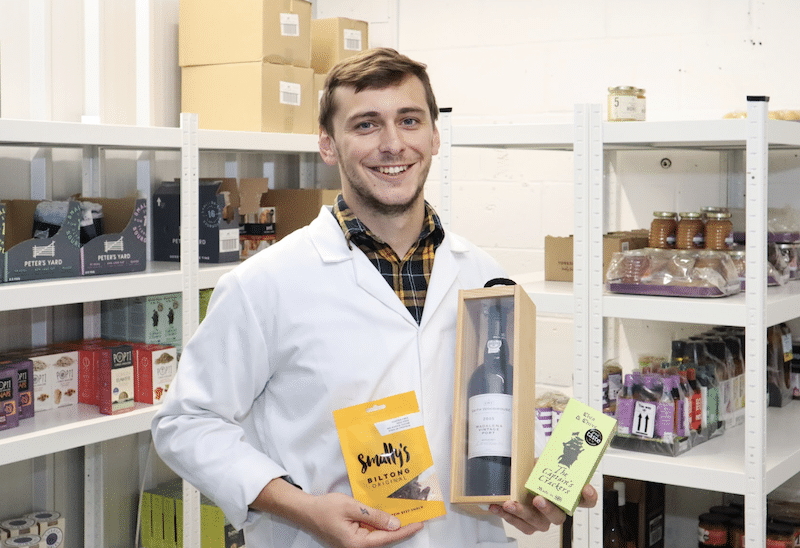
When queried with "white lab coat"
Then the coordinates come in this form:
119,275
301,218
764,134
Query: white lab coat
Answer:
302,328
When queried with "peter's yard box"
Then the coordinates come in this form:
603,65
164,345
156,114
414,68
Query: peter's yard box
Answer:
218,223
123,246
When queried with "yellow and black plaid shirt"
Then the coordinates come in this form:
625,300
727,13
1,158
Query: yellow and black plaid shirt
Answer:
408,277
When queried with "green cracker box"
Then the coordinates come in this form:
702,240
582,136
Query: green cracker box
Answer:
571,455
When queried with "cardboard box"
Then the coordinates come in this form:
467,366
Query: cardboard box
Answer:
571,455
558,252
647,501
55,376
295,208
153,319
253,96
24,370
115,379
211,32
162,520
9,397
28,258
123,246
257,230
473,344
319,87
218,224
155,367
335,39
2,242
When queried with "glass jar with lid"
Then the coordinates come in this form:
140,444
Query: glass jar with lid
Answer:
719,230
626,104
691,232
663,229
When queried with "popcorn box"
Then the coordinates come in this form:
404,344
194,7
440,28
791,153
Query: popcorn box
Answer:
155,367
116,379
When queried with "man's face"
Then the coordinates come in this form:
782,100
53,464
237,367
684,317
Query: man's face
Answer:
383,142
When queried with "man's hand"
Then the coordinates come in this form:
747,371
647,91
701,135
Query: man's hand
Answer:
334,519
537,513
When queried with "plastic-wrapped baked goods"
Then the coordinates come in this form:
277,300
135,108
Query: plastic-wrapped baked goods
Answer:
679,273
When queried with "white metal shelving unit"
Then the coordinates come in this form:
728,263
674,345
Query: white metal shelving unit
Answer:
82,425
750,461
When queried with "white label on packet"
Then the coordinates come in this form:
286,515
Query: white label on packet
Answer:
290,24
290,93
352,40
398,424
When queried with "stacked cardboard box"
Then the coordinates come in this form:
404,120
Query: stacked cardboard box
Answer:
246,65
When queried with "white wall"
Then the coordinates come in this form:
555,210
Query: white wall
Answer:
492,62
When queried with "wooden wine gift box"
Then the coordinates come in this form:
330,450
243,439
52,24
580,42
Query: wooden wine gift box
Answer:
471,340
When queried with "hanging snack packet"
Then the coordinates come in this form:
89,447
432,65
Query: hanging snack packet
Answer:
388,459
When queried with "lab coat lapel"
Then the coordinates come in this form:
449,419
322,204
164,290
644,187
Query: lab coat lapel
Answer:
370,280
444,275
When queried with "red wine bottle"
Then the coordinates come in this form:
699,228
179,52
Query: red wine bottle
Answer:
490,414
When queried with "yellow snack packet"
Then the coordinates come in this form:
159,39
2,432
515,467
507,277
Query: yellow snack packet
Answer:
388,459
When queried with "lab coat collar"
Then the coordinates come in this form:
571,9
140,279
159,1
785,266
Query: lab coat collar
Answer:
329,241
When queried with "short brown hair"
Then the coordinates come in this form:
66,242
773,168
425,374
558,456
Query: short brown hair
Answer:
376,68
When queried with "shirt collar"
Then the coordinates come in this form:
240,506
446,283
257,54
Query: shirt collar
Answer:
354,228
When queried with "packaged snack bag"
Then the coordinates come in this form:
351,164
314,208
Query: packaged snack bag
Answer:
388,459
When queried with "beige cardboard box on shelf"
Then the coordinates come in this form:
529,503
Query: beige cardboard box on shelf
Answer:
211,32
558,252
474,341
319,85
295,208
257,230
335,39
252,96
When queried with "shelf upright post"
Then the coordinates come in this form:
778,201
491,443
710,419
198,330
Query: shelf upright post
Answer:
445,166
144,107
755,329
587,287
190,252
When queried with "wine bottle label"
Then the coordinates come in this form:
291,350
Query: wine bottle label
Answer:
490,417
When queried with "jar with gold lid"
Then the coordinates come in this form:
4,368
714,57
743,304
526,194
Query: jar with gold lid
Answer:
691,233
626,104
663,229
719,230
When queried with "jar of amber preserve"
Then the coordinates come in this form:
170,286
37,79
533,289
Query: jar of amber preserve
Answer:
663,230
626,104
691,232
719,230
712,530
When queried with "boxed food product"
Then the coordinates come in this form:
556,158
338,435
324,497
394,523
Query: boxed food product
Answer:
29,258
162,519
493,400
205,297
335,39
253,96
55,377
276,31
9,394
218,226
295,208
155,367
558,252
257,229
24,370
51,527
571,455
88,366
123,245
152,319
115,379
2,242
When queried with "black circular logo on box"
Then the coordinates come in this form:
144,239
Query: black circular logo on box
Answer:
594,437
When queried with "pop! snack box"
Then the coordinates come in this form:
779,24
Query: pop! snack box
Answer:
571,455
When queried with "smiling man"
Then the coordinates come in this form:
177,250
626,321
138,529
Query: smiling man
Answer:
359,305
